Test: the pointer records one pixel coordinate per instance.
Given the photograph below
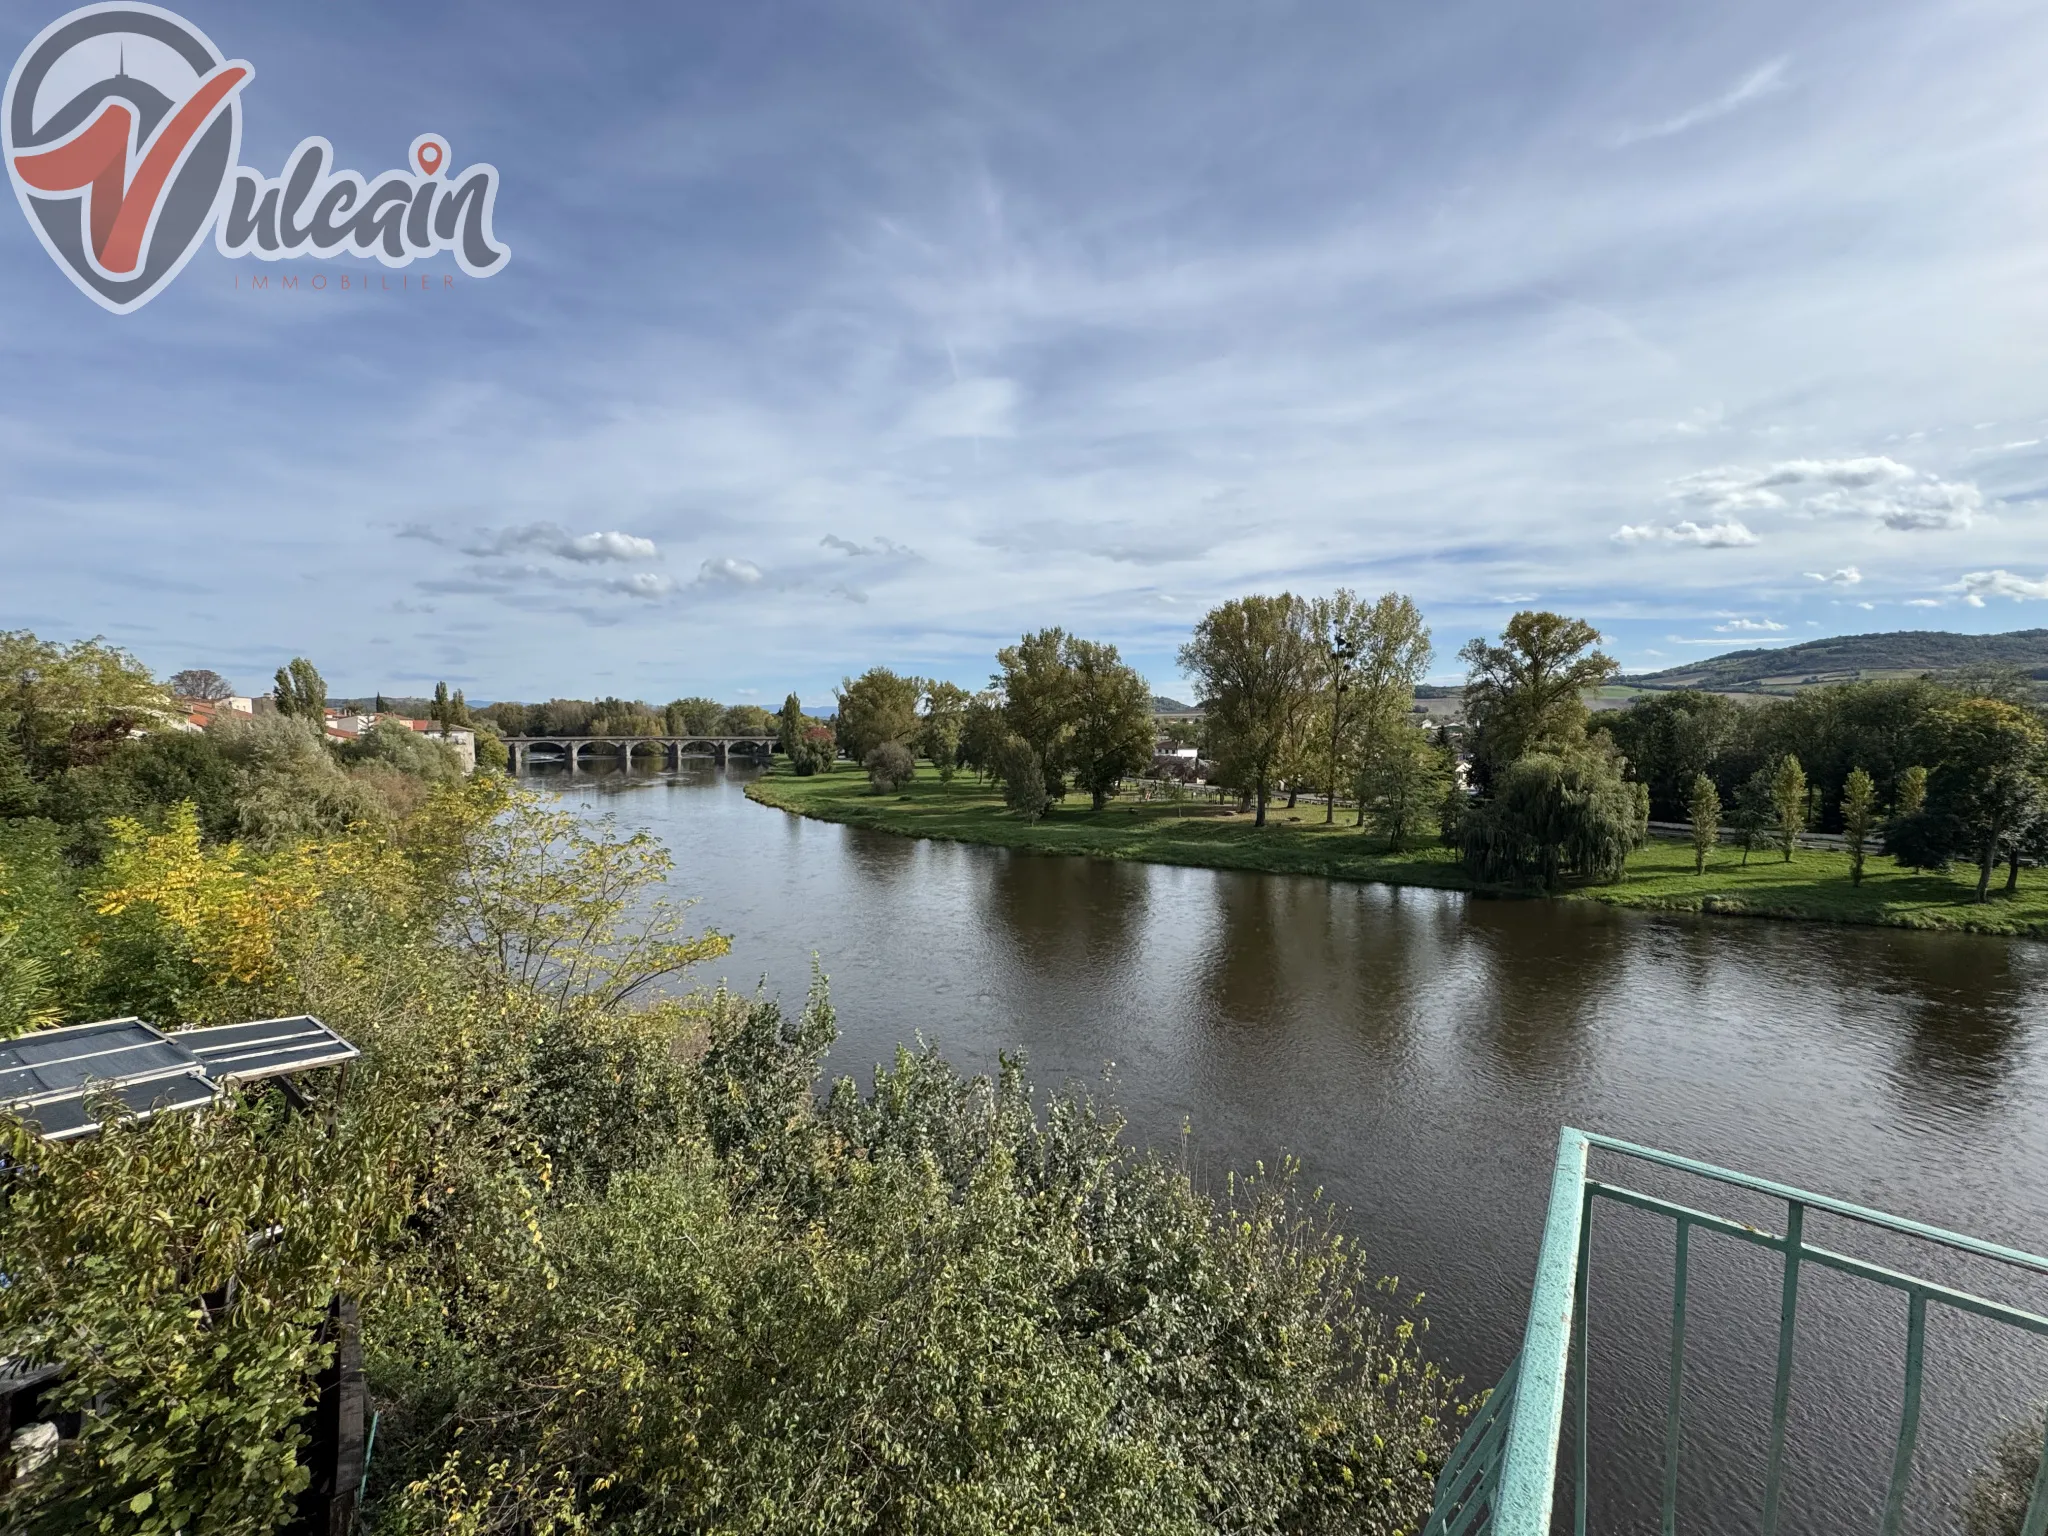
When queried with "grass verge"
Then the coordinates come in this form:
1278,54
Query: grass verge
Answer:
1813,887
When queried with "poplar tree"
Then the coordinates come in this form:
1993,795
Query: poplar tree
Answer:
1859,804
1704,805
1788,799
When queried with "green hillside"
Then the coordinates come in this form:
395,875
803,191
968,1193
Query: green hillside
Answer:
1844,658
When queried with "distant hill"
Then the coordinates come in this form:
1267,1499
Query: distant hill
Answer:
1162,705
1845,658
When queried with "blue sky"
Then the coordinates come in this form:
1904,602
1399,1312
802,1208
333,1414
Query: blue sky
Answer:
837,335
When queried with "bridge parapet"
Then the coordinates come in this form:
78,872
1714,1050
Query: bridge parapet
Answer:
673,748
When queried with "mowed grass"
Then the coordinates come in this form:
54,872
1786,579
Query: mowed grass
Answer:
1814,886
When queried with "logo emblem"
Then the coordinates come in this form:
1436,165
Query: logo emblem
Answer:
122,132
120,125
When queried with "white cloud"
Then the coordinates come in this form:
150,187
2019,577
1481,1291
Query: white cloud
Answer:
1847,576
645,584
1748,627
1978,585
1923,602
543,539
1758,82
1877,488
729,572
588,547
1730,534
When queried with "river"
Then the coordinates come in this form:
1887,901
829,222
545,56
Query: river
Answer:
1418,1050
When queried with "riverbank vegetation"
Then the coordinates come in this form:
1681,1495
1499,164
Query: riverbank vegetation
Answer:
1531,789
620,1265
1163,823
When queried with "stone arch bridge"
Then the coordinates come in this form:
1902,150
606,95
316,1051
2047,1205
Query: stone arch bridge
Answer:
673,749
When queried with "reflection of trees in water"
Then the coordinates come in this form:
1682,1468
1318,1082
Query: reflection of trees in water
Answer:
1536,973
1057,915
880,859
1966,1002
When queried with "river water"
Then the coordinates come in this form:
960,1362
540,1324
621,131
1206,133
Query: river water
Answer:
1417,1051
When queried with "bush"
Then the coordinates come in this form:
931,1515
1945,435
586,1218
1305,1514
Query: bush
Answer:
814,751
890,766
1023,780
1997,1501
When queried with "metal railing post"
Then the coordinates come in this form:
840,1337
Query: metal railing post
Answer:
1528,1471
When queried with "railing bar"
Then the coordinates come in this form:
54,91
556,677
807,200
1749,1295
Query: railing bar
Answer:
1963,1301
1787,1192
1909,1415
1475,1469
1581,1330
1671,1412
1479,1495
1781,1391
1478,1464
1528,1472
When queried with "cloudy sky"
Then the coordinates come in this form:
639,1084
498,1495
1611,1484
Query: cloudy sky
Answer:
842,334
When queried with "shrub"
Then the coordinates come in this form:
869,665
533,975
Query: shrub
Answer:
1023,780
1997,1501
889,766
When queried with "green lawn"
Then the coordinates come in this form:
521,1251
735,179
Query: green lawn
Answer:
1815,885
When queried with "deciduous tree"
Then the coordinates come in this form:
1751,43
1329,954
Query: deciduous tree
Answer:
1256,663
1788,803
1037,684
201,683
1704,807
939,732
1859,816
300,691
875,707
1523,694
1112,719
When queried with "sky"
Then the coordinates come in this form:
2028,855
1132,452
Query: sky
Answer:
838,335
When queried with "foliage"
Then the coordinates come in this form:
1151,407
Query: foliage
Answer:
1670,739
491,751
982,732
1404,781
67,706
402,747
939,733
694,716
300,692
1788,803
1998,1497
875,707
1523,694
200,683
1017,769
1390,650
1752,812
1255,661
1112,719
1555,816
1985,787
789,724
1912,791
1859,815
181,1267
1036,684
289,784
1703,809
745,720
889,766
817,748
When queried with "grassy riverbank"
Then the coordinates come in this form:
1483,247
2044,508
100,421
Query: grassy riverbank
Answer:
1814,886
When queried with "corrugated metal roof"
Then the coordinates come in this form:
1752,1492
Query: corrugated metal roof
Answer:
48,1077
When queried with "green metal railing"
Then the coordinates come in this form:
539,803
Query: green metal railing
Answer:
1502,1477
